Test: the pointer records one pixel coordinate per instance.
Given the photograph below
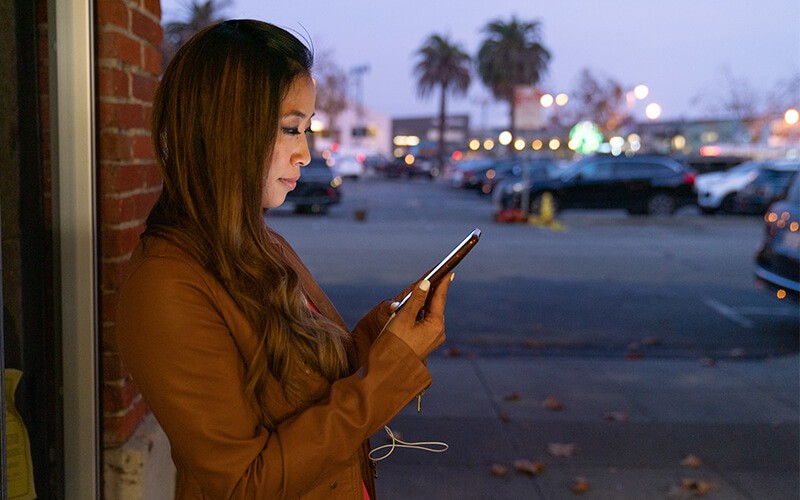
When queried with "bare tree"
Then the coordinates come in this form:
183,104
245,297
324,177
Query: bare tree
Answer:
600,100
734,97
331,90
730,96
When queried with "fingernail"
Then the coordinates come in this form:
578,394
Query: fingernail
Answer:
424,285
452,275
394,305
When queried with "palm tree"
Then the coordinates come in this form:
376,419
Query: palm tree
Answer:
512,55
443,64
198,14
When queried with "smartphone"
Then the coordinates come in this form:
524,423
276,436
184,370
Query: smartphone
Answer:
448,263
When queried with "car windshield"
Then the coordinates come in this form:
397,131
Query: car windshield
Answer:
573,169
746,167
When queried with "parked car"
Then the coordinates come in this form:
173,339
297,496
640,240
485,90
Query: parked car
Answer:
765,188
347,166
777,262
317,189
651,184
463,171
716,191
529,169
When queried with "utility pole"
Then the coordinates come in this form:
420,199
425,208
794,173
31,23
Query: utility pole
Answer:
358,72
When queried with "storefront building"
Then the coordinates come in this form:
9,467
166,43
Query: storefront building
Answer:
77,179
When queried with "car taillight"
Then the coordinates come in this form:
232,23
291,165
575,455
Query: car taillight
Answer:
688,178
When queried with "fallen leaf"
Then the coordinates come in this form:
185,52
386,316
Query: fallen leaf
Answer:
528,467
616,416
633,351
580,485
692,461
706,361
562,449
651,341
698,487
737,352
499,470
397,436
533,343
513,396
452,352
504,416
553,403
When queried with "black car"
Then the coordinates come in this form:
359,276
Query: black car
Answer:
641,184
317,189
765,188
777,262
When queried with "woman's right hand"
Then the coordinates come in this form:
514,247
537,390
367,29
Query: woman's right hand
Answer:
423,335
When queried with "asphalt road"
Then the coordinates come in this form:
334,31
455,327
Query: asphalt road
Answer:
605,285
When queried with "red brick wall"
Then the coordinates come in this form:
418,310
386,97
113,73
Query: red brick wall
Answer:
128,64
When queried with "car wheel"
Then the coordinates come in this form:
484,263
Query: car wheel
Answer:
661,204
728,204
319,209
637,210
541,200
707,211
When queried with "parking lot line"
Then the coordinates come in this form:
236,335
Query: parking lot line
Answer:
728,312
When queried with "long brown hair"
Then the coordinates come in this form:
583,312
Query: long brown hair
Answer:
215,120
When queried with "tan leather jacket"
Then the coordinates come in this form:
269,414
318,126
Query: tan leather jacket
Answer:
187,346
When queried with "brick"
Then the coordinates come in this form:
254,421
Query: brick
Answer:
143,87
118,242
113,369
110,291
122,115
113,82
118,210
114,45
152,59
118,397
113,271
125,177
142,147
152,6
113,12
145,27
114,146
117,429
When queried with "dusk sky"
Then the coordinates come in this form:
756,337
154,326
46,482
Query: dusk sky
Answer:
679,48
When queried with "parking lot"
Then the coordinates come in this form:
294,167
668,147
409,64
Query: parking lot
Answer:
621,356
603,284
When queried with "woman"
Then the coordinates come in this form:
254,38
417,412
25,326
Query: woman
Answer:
249,369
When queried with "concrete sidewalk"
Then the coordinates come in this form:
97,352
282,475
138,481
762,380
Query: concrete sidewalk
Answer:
625,426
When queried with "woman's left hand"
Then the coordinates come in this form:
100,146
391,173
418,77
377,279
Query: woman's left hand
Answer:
422,333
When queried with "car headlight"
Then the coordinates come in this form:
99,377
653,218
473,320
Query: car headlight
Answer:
518,187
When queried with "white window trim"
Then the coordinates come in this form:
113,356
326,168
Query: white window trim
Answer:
73,146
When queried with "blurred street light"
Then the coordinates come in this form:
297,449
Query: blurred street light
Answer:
546,100
562,99
505,138
641,91
791,116
652,111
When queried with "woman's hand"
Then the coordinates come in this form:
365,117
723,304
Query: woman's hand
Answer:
423,335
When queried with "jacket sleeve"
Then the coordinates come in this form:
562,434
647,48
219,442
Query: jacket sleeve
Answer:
182,355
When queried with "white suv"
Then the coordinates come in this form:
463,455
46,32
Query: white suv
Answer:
716,191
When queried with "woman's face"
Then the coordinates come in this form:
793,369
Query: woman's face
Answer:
291,147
